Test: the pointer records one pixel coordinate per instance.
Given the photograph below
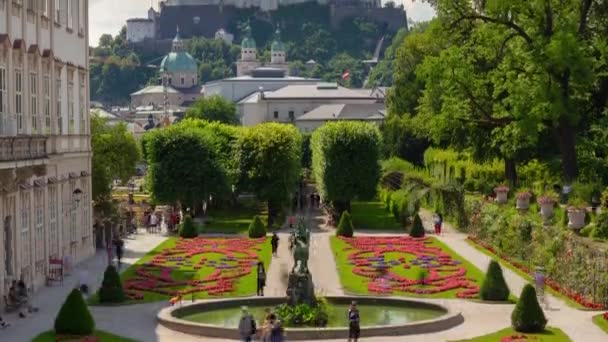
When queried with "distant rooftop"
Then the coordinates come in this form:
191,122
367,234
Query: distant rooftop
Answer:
318,91
366,112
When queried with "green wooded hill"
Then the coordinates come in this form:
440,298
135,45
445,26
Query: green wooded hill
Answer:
118,70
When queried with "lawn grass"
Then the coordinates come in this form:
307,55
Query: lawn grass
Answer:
373,216
601,322
525,275
359,285
103,336
236,219
245,286
549,335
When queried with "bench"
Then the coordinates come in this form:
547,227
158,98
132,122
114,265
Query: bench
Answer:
55,271
10,306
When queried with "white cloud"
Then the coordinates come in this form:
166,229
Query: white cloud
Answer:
108,16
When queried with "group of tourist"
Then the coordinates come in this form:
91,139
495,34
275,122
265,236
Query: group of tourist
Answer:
18,297
271,330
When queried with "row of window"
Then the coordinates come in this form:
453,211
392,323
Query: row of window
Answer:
46,126
65,11
291,114
38,255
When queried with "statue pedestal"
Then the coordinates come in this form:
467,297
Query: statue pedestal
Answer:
300,289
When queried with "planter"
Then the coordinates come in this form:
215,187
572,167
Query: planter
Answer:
501,197
576,218
523,203
546,210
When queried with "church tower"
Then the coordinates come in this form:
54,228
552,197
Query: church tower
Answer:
278,53
249,59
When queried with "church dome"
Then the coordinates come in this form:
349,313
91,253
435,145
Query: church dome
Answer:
178,61
277,44
248,42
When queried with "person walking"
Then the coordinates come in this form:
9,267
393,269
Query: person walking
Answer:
274,242
247,326
118,244
354,324
276,329
438,221
261,279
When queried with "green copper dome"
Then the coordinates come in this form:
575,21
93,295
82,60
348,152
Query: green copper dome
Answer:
178,62
248,42
277,44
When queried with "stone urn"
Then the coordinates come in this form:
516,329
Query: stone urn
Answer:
501,194
522,201
576,217
546,207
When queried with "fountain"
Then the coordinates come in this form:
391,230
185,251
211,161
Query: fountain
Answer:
381,316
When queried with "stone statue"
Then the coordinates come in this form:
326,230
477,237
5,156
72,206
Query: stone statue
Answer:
150,123
300,288
301,248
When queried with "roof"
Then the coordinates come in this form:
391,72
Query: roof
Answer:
277,44
102,113
156,89
178,62
248,78
318,91
248,42
372,112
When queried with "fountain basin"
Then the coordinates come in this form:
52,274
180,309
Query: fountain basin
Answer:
386,316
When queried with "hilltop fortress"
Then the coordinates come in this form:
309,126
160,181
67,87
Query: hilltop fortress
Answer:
214,18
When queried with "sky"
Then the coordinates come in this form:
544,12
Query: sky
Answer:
108,16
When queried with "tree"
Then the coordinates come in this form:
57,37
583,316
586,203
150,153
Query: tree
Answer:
188,229
105,40
74,317
345,162
345,226
494,287
548,75
185,166
115,155
528,317
269,162
111,290
417,229
214,108
256,228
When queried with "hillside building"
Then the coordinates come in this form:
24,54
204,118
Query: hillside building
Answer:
45,145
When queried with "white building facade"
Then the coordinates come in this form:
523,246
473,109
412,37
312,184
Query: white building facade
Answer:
45,148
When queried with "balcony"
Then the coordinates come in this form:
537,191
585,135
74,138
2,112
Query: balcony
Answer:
18,148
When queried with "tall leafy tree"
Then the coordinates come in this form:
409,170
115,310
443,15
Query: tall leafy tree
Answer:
214,108
184,166
115,155
345,161
269,163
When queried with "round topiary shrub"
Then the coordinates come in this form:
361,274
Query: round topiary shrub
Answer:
74,317
111,290
417,229
345,226
256,228
528,317
600,231
188,229
494,286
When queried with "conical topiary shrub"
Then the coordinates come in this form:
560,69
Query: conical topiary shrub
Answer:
256,228
417,229
528,317
111,290
345,226
74,317
188,229
494,286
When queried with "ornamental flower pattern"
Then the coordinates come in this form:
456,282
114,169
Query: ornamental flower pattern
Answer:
368,255
240,257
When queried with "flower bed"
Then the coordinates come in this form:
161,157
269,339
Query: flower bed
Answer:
401,264
572,295
199,266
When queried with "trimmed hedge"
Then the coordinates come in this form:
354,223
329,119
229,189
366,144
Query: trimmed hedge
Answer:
256,228
494,287
528,316
111,290
74,317
345,226
417,229
188,229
